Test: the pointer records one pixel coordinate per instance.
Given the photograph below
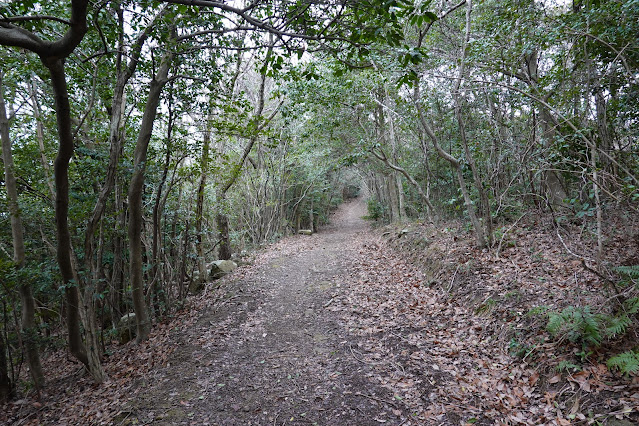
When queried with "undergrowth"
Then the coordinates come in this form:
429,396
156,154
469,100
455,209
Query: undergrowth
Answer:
595,329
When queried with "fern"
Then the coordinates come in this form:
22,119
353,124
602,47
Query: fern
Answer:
631,272
577,325
590,328
556,322
625,363
537,310
567,366
616,326
632,305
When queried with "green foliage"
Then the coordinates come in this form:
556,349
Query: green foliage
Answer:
580,325
577,324
631,272
625,363
486,306
616,325
375,209
566,366
519,349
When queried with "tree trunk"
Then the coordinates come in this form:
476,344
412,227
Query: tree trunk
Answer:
64,250
53,55
136,189
424,196
456,165
487,232
40,137
199,208
397,180
160,295
7,390
311,215
183,260
29,329
605,135
117,276
222,219
555,192
224,250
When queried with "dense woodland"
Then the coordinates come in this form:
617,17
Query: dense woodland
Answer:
142,140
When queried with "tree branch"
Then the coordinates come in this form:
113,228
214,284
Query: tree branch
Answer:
35,18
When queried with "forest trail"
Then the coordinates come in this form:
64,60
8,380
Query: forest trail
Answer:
340,328
271,351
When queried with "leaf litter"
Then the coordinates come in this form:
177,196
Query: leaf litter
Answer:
410,326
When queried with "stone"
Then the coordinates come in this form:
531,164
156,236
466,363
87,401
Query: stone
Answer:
127,328
196,285
305,232
219,268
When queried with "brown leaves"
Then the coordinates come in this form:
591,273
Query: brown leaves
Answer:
455,354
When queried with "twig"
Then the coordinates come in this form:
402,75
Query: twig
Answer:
600,275
329,302
452,280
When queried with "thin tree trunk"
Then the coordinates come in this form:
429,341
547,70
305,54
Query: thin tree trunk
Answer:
7,390
117,277
382,157
225,243
399,190
222,221
136,187
52,55
199,208
485,204
456,165
29,329
160,295
40,137
61,169
183,260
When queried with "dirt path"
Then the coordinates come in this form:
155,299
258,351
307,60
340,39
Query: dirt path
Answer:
340,328
272,352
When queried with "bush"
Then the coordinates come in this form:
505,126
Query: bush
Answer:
375,209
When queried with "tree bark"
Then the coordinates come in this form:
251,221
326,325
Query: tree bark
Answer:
161,297
40,137
222,219
383,158
29,329
199,208
116,137
136,189
117,276
224,251
7,390
61,169
456,165
53,55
